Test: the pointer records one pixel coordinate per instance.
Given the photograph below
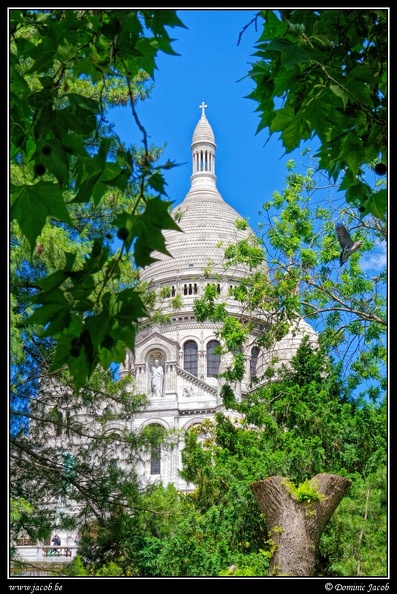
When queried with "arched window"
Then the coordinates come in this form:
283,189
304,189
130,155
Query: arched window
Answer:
213,358
155,460
190,357
155,433
254,361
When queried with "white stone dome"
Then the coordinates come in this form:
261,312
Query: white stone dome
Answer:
208,225
207,221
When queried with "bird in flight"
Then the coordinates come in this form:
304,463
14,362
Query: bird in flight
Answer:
347,244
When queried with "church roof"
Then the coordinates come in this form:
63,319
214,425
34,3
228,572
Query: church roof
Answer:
203,132
207,221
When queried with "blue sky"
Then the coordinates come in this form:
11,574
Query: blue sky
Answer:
210,68
213,67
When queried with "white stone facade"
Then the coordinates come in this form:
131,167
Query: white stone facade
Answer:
190,391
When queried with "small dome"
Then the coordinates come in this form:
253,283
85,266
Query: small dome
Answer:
203,132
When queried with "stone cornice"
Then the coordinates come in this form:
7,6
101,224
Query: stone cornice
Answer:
175,326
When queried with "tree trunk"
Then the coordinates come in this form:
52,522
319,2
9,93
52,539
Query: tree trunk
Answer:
296,527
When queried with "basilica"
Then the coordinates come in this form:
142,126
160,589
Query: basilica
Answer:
177,364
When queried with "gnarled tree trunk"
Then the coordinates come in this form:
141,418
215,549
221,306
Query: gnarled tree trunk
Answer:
295,527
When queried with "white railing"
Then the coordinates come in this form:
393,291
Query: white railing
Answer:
47,553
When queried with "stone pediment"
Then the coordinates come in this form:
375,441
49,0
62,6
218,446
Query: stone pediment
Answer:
155,337
196,381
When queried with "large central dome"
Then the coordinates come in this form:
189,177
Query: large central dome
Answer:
208,223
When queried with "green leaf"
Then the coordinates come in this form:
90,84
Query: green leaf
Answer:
327,68
43,58
350,152
53,304
157,182
86,187
131,306
53,280
44,199
291,54
293,129
148,229
55,161
91,67
114,354
339,92
60,320
97,165
120,181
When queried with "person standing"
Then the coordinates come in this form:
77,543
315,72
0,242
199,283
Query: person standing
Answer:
56,541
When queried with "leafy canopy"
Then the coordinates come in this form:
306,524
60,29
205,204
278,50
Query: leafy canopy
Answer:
303,282
66,68
302,423
323,73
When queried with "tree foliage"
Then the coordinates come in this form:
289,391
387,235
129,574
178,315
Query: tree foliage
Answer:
62,462
76,301
78,232
304,281
66,68
324,73
302,424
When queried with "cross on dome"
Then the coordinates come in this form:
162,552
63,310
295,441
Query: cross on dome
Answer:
202,107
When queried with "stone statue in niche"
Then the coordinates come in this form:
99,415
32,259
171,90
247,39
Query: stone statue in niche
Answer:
157,379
